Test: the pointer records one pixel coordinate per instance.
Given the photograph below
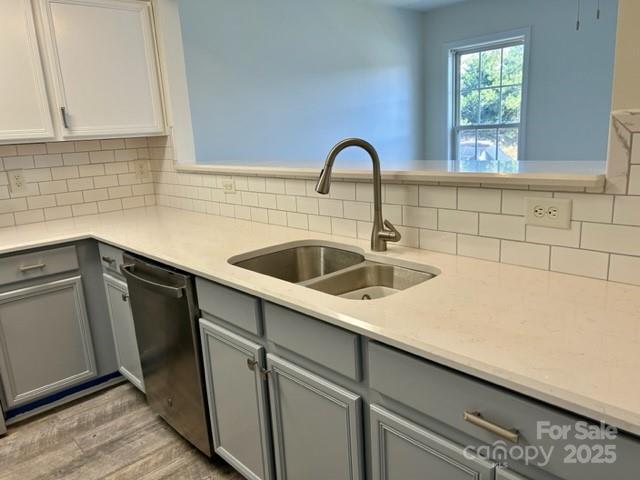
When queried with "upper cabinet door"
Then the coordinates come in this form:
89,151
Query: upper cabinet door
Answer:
105,68
24,106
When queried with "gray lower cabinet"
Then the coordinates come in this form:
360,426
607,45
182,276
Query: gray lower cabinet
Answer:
506,474
124,333
238,403
317,425
401,449
45,341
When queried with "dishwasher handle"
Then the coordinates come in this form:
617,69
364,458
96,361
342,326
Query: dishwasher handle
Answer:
166,290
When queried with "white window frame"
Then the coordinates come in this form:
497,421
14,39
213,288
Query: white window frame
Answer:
497,40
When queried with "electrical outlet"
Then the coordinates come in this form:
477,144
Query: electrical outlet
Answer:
228,185
17,182
141,169
549,212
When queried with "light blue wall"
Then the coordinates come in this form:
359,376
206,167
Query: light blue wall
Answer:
570,72
300,75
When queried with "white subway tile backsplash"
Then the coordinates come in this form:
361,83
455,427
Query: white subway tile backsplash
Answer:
257,184
307,205
242,212
344,227
627,210
590,207
18,163
438,241
42,201
634,180
295,187
84,209
555,236
611,238
401,194
32,149
458,221
57,213
248,198
276,217
438,197
479,247
419,217
357,210
297,220
69,198
330,207
96,195
286,202
479,200
48,161
410,236
343,191
29,216
120,192
625,269
275,185
7,219
114,168
267,200
502,226
57,186
13,205
319,224
260,215
513,201
75,158
580,262
525,254
62,173
91,170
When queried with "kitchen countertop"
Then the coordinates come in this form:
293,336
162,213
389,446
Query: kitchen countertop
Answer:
569,341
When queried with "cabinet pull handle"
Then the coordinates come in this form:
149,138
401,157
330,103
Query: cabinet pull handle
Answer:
65,118
475,418
252,364
125,297
28,268
265,373
109,260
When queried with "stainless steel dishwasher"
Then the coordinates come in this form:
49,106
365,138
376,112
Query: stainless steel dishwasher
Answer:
165,317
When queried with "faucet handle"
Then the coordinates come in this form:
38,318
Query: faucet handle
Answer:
391,234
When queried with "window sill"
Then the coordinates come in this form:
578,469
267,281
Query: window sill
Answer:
540,174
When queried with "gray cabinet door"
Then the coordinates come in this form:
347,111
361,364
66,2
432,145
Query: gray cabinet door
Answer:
317,425
124,332
402,450
45,342
236,390
506,474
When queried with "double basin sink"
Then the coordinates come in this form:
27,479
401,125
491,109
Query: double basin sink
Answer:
335,270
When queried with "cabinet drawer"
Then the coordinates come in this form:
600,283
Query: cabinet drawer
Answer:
230,305
110,258
446,395
314,339
17,268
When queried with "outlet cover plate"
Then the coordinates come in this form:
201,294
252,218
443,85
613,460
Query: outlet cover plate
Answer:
549,212
228,185
18,182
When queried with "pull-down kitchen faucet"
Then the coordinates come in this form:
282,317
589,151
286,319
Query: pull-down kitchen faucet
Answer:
383,231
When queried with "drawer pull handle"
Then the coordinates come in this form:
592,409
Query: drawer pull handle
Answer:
109,260
28,268
475,418
125,297
252,364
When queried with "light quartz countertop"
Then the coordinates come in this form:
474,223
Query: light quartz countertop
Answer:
569,341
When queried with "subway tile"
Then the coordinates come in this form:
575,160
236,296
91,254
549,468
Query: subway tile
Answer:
38,175
18,163
344,227
109,205
115,168
343,191
105,181
319,224
420,217
120,192
259,215
438,241
241,183
635,151
113,144
502,226
275,185
634,180
625,269
611,238
307,205
364,229
410,237
242,212
96,195
357,210
87,145
295,187
134,202
513,201
125,155
48,161
227,210
13,205
393,213
84,209
143,189
257,184
580,262
479,200
57,213
438,197
8,150
102,156
555,236
525,254
7,219
32,149
267,200
277,217
330,207
590,207
4,192
42,201
69,198
250,199
75,158
29,216
457,221
627,209
297,220
401,194
479,247
63,173
91,170
286,202
364,192
213,208
58,186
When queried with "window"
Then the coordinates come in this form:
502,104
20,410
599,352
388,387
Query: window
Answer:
488,102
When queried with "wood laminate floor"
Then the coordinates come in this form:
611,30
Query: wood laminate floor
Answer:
111,435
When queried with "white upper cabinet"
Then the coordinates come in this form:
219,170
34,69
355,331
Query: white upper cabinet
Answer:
24,106
104,67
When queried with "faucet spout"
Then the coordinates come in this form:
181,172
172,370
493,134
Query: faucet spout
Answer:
383,230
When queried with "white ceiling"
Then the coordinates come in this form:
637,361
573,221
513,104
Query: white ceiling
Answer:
418,4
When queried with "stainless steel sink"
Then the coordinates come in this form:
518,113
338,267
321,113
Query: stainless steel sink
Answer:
335,271
301,263
370,281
